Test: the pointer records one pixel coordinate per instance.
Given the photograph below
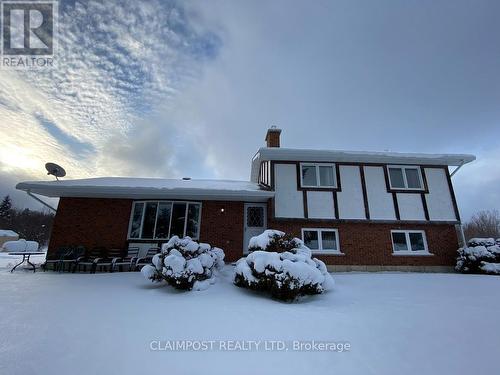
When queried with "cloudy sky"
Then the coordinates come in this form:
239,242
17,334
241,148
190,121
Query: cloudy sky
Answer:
173,89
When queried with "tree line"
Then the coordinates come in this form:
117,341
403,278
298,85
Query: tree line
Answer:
31,225
483,224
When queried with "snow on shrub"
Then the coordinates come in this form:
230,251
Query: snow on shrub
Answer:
274,240
185,264
481,255
281,265
493,268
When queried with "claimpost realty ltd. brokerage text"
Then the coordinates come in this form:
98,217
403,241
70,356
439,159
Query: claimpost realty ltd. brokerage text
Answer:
249,345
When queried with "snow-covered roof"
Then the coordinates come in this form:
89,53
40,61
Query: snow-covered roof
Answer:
149,188
8,233
276,153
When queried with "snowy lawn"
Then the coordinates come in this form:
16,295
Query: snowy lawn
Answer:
396,323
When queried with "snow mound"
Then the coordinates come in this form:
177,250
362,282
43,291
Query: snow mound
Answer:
185,264
481,256
286,274
20,246
493,268
481,242
8,233
478,252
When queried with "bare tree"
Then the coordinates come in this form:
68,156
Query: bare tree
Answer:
483,224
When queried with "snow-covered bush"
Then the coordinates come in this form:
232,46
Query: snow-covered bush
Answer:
185,264
283,266
274,240
481,255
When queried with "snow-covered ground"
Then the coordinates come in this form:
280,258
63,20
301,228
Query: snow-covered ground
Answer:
395,323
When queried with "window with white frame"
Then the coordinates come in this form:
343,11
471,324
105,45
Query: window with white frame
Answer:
409,241
164,219
320,175
405,177
321,240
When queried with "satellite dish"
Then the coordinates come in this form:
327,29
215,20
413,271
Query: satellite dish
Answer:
55,170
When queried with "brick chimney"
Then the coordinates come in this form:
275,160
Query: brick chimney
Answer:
273,137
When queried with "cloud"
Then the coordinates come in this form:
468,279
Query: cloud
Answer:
116,63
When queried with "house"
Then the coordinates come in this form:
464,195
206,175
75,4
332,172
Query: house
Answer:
355,210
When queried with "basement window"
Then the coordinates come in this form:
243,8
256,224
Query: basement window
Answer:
160,220
409,242
321,240
319,175
405,177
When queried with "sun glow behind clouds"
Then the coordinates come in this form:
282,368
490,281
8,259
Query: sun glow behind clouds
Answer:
117,62
15,157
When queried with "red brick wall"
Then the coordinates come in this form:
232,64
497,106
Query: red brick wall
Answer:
104,222
223,229
370,243
91,222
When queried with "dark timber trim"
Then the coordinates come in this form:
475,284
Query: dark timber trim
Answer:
396,205
304,201
365,193
336,204
273,180
311,221
424,205
297,166
424,179
452,193
339,180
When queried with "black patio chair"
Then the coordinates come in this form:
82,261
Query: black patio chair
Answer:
107,260
88,260
55,259
71,257
129,260
147,259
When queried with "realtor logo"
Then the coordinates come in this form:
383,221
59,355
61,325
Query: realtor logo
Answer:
28,30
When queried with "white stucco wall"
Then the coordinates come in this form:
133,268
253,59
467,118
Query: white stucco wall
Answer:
380,202
288,200
350,199
439,202
320,205
410,206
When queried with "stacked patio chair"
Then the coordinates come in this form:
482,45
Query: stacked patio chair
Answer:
147,259
129,260
89,259
55,260
106,261
71,257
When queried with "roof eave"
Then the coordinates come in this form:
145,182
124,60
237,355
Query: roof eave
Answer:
144,193
339,156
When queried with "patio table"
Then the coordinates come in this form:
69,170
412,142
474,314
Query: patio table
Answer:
26,257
